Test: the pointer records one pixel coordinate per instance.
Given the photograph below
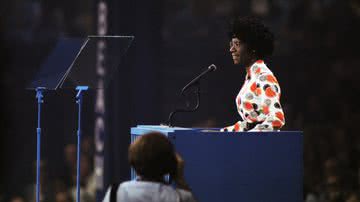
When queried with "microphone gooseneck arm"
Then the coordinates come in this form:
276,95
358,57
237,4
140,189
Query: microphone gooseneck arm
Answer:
194,82
188,109
197,79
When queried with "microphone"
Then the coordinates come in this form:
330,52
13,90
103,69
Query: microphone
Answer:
210,68
195,81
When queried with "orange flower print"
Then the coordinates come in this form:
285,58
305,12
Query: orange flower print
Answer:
280,116
253,87
259,61
258,71
237,127
271,79
266,109
258,91
269,92
276,124
248,106
252,119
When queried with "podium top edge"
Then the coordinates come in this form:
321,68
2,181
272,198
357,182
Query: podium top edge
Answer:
111,36
167,129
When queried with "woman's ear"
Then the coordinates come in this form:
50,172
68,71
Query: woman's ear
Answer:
171,177
245,55
174,170
248,56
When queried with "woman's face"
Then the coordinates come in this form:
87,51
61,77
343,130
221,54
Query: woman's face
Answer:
238,51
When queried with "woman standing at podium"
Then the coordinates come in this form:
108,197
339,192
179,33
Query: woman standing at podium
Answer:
258,101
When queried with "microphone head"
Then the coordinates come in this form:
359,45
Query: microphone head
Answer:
212,67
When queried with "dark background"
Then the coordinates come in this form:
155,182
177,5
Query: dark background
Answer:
315,60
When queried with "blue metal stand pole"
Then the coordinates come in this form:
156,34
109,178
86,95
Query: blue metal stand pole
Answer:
39,96
79,97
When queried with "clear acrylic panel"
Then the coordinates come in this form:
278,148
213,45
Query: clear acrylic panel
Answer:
81,61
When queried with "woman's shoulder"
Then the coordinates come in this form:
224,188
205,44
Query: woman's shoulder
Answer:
139,184
146,191
261,73
259,68
185,196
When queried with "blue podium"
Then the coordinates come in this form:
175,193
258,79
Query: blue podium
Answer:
244,167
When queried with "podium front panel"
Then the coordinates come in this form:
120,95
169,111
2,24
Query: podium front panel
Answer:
242,166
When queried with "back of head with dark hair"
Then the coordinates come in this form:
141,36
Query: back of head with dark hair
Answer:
254,33
152,156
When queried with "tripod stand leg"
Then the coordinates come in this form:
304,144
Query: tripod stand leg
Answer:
79,97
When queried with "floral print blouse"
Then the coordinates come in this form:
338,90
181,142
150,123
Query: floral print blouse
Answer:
258,101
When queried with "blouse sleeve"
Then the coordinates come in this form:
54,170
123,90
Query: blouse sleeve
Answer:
268,112
261,106
237,127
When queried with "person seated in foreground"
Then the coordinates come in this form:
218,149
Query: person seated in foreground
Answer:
153,157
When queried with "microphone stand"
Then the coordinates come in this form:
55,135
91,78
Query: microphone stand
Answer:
79,101
187,109
39,98
195,82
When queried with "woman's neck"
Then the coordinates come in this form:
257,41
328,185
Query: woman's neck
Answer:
249,64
